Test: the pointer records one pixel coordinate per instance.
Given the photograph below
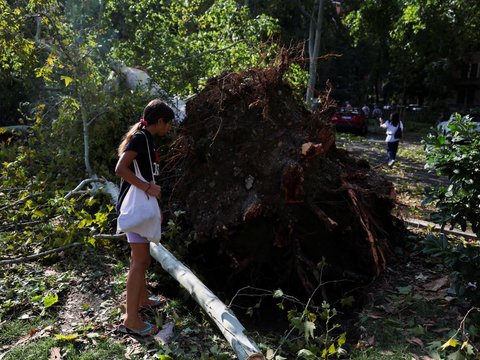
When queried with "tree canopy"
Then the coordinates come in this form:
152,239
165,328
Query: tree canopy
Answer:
416,45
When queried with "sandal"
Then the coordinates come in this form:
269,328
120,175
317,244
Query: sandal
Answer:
156,301
143,333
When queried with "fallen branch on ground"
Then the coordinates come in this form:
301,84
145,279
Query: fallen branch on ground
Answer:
436,227
52,251
232,330
108,188
39,255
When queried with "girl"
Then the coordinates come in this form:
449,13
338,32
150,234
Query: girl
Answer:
157,120
394,128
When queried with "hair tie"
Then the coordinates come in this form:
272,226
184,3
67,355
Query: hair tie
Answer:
143,122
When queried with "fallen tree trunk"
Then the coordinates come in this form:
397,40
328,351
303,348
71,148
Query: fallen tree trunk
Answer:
223,317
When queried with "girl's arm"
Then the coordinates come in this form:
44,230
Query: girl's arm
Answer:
122,169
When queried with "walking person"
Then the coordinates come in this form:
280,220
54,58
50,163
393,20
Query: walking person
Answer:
377,112
137,144
366,110
348,106
394,131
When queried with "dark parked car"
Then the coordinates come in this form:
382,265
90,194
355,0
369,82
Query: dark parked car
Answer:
353,120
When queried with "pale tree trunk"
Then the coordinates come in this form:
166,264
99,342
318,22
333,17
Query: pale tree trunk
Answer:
86,137
232,330
314,49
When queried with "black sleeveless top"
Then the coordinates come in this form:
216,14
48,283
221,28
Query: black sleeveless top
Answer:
138,143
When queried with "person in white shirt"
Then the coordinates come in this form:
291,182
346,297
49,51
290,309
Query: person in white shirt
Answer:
377,112
394,130
348,106
366,110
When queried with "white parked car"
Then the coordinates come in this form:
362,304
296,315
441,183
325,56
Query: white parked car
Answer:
442,127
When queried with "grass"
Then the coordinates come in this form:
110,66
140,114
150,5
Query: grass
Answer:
410,321
90,286
13,330
398,317
42,349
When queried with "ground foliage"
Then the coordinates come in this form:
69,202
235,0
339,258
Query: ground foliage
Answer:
455,155
78,295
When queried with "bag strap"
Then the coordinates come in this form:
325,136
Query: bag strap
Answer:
149,156
137,169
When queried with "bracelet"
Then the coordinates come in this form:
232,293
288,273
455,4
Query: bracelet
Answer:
148,187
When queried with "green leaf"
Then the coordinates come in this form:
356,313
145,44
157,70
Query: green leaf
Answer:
457,355
306,354
331,349
67,80
36,298
309,327
38,214
70,337
417,330
50,300
278,293
450,343
347,301
404,290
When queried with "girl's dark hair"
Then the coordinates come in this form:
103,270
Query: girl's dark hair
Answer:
155,111
395,118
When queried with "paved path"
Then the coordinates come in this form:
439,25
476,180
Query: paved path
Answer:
410,166
408,175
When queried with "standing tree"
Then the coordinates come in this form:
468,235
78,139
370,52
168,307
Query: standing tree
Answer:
315,34
181,44
418,43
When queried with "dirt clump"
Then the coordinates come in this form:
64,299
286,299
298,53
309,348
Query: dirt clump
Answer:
268,193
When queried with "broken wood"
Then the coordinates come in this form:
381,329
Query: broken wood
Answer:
227,322
436,227
108,188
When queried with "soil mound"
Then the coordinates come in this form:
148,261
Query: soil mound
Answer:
269,195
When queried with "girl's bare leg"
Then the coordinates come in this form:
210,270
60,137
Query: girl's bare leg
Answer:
136,285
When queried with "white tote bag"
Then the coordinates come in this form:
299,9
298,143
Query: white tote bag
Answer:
140,213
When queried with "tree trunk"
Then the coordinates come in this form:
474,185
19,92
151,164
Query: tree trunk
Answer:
223,317
314,49
86,137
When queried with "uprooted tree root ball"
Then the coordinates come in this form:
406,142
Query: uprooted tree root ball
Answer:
268,193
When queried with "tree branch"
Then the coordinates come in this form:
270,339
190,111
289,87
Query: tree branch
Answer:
22,200
109,236
61,248
23,224
81,186
39,255
96,117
